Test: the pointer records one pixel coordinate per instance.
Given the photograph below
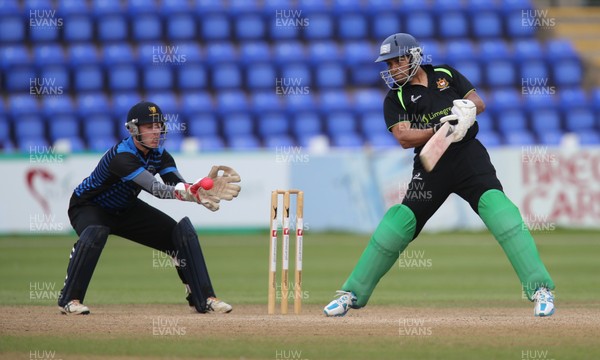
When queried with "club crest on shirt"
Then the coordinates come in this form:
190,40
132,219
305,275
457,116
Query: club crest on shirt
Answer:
442,84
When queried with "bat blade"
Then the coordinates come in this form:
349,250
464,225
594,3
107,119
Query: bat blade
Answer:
435,147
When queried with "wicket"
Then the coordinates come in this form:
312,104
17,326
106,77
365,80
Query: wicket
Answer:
285,250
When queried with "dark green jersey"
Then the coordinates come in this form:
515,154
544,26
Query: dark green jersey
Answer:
425,106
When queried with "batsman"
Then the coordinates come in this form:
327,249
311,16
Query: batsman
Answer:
106,202
420,100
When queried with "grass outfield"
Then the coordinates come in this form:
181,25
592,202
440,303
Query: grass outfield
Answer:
446,275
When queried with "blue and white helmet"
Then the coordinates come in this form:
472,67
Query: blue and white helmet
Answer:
396,46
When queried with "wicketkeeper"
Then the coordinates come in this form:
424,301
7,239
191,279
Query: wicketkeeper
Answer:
420,100
106,202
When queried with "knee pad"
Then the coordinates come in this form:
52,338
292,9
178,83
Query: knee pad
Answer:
396,230
499,214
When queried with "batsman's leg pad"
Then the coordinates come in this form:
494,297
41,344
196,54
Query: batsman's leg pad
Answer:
504,221
83,260
192,264
392,236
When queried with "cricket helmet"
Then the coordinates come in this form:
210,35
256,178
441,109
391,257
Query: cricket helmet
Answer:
145,112
396,46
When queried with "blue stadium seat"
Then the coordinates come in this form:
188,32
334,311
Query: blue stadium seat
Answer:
579,120
534,73
560,49
4,130
519,138
421,25
170,7
545,120
487,24
166,100
191,77
433,52
25,144
232,101
567,72
471,70
279,141
203,125
214,27
68,8
260,76
48,54
63,126
489,139
191,50
99,125
264,101
550,138
368,100
112,27
106,7
286,51
273,123
453,24
79,28
12,28
226,76
383,24
372,122
250,26
511,121
570,98
157,78
196,102
120,53
340,122
254,51
121,103
19,78
123,77
211,143
142,7
500,73
594,98
284,26
321,27
88,77
528,49
460,49
485,121
330,75
237,124
347,140
218,52
21,105
145,27
47,28
306,123
381,141
320,51
294,77
358,52
242,7
181,27
333,100
99,144
243,142
537,101
29,126
92,103
14,55
587,138
299,103
82,54
57,76
490,50
353,26
518,26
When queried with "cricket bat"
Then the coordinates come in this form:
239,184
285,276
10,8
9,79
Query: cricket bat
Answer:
436,146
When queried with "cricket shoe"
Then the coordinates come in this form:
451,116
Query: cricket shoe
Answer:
544,302
341,305
216,305
74,307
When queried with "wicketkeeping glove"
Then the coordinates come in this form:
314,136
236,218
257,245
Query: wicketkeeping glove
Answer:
225,184
189,192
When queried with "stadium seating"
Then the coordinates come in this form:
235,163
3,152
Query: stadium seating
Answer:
250,74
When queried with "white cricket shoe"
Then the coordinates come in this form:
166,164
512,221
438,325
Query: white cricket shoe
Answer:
341,305
216,305
544,302
74,307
